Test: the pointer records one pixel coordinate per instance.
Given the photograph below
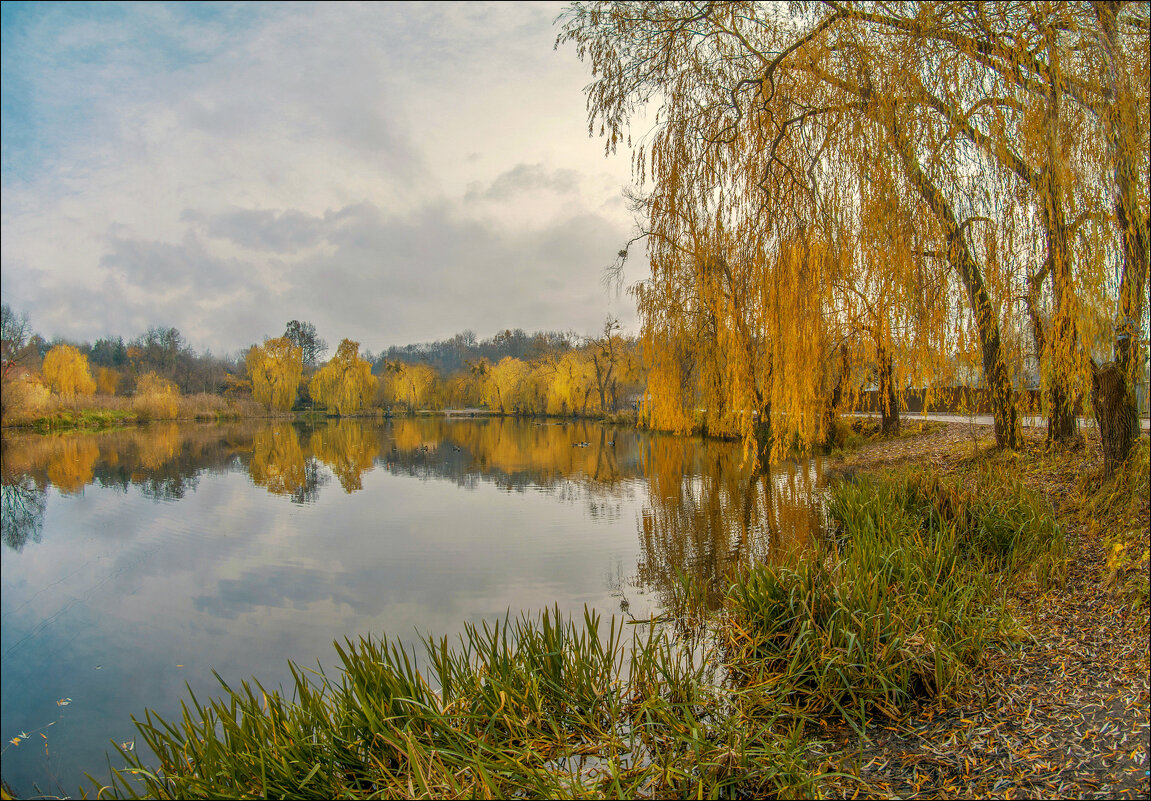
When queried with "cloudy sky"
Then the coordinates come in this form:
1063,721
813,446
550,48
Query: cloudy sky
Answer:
391,173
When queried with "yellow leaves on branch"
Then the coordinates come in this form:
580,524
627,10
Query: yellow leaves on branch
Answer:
504,384
412,385
275,369
949,189
345,384
66,371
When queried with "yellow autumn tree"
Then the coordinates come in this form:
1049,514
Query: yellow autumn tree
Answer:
794,152
503,384
413,385
573,383
107,380
66,371
275,369
345,383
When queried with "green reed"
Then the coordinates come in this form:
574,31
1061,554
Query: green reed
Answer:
534,707
899,602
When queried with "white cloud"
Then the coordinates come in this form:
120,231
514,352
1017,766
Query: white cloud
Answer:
392,173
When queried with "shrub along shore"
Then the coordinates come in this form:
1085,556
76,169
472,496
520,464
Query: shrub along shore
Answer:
923,612
111,412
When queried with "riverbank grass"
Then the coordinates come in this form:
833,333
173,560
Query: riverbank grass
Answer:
900,601
535,707
83,420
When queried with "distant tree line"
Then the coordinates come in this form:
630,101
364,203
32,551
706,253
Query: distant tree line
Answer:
510,372
457,353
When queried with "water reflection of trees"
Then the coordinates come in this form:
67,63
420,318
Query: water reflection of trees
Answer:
514,454
704,512
164,461
348,449
22,506
708,513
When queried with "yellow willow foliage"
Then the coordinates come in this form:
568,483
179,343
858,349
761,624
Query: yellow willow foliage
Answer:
413,385
277,460
536,386
275,369
107,381
70,468
975,175
573,385
156,397
502,389
461,390
66,371
345,383
348,449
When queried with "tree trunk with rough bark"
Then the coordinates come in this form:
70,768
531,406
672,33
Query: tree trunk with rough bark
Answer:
1115,412
888,402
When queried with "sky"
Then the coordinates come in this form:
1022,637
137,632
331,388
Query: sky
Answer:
392,173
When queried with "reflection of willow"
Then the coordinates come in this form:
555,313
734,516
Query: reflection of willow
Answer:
515,453
277,461
347,449
278,464
71,465
159,470
708,513
163,460
156,445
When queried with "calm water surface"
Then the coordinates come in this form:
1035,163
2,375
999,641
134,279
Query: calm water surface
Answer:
137,561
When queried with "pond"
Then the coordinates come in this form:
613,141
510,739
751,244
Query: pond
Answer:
137,562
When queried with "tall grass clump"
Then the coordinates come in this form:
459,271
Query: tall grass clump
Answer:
900,600
534,707
156,398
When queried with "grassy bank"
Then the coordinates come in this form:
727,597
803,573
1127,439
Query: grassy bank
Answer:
893,611
99,412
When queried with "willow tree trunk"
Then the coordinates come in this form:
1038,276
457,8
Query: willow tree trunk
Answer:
1063,342
888,402
1112,385
995,373
1115,412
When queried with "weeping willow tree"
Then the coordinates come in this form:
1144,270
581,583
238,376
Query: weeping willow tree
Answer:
345,383
855,188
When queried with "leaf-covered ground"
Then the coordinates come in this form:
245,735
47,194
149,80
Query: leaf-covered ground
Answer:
1064,713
